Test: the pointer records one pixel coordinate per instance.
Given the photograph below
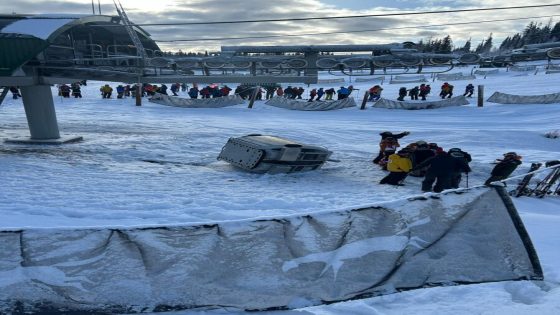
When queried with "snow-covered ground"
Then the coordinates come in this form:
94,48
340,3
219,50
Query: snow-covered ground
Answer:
106,181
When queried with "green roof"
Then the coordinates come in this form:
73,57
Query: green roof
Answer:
17,49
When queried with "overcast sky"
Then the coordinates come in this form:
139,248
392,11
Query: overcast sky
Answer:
397,29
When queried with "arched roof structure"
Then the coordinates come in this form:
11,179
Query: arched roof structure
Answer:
58,40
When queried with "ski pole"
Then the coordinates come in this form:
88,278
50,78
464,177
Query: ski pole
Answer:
467,174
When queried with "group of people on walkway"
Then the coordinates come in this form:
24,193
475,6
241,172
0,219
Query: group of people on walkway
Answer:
437,166
423,90
74,89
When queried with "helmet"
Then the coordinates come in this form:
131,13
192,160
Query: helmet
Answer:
511,155
421,142
454,150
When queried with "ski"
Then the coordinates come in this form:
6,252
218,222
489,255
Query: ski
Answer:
522,189
543,187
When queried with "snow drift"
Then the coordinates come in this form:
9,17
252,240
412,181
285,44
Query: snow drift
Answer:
455,101
504,98
463,237
316,105
216,102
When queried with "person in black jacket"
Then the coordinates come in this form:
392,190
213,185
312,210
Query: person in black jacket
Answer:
15,92
469,90
462,155
402,94
421,154
504,168
441,168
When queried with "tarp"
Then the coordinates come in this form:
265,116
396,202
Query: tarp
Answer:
223,101
454,101
465,237
316,105
454,76
504,98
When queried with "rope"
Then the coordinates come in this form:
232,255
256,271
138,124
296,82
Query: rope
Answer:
529,173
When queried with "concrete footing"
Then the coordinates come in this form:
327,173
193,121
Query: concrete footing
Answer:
60,140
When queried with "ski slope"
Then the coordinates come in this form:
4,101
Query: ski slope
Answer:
110,179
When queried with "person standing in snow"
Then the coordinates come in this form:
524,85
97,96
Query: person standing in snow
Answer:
504,168
193,92
320,93
175,89
446,90
421,154
15,92
312,95
375,93
441,169
413,93
388,140
464,156
402,94
424,91
106,91
330,92
469,90
398,165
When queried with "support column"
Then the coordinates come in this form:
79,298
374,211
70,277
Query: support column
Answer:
41,117
311,69
39,109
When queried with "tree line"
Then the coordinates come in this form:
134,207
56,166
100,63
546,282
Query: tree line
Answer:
534,33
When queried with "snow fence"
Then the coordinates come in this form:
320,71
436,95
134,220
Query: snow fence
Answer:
458,237
517,68
370,79
216,102
503,98
486,72
287,103
328,81
454,101
402,79
454,77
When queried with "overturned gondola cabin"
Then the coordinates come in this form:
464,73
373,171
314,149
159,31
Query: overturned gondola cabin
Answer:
270,154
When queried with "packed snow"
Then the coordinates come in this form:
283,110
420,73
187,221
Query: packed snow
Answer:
110,179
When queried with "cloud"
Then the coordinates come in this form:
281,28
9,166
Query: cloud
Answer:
171,11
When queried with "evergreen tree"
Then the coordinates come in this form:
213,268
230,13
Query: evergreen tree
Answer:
487,45
555,33
446,45
506,44
467,47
